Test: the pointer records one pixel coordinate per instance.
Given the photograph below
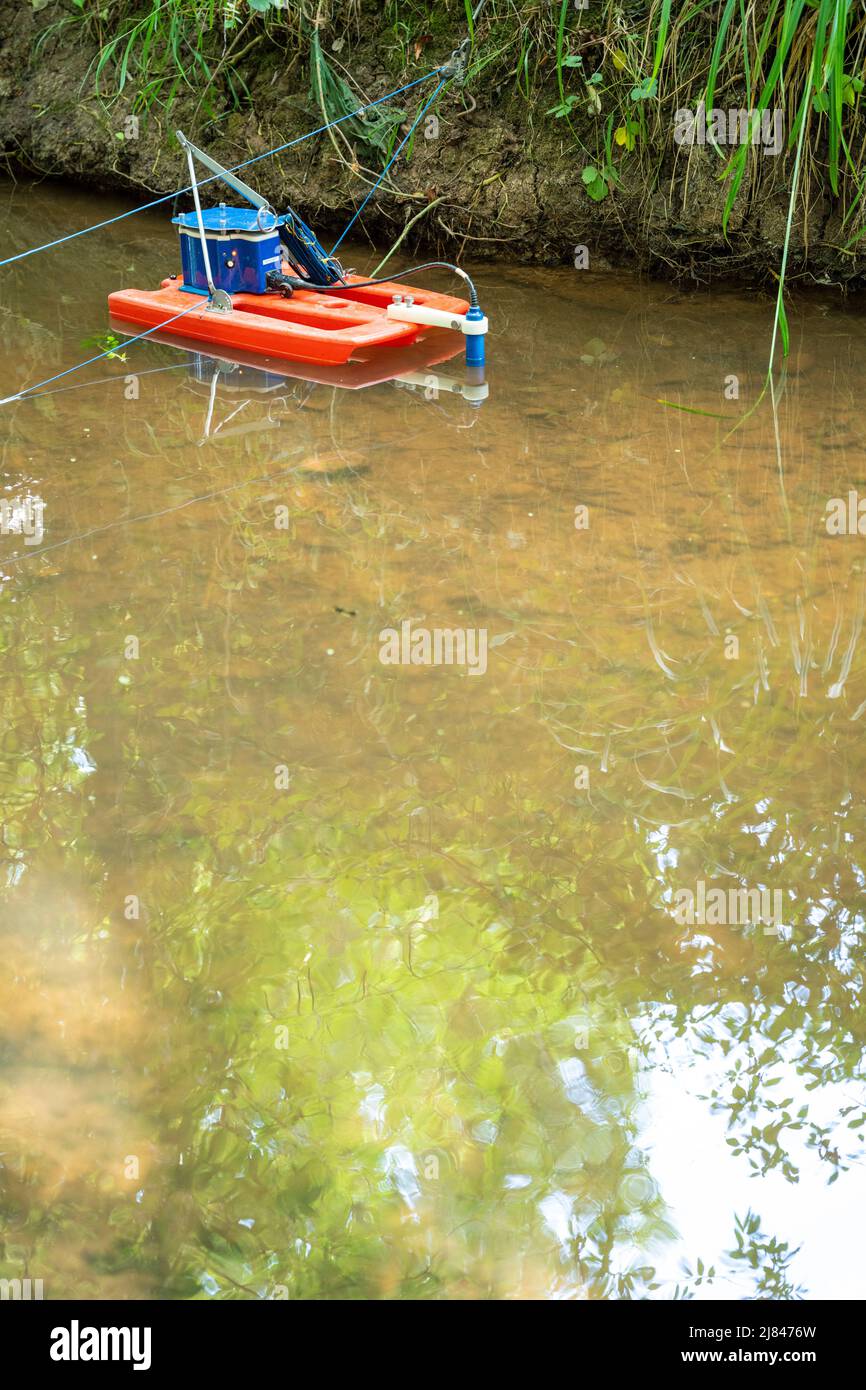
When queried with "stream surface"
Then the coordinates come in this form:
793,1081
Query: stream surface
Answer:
329,976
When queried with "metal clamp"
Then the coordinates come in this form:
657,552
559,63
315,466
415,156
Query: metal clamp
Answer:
455,68
219,302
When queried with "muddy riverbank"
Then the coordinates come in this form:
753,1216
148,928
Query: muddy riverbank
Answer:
499,178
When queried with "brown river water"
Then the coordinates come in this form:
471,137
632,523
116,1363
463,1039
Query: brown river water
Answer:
329,976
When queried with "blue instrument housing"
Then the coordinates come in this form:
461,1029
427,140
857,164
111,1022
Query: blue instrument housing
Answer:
240,253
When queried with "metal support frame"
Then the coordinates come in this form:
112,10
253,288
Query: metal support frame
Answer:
216,168
218,300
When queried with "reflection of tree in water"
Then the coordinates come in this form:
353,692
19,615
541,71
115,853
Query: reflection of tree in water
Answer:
781,808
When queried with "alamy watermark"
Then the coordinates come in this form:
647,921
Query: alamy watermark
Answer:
77,1343
438,646
846,516
21,1289
732,907
738,126
22,516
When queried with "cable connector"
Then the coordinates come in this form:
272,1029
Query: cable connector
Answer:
276,280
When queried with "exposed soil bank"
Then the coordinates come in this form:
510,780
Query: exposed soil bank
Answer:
500,180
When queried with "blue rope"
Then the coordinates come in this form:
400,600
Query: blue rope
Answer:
30,391
245,164
27,391
394,156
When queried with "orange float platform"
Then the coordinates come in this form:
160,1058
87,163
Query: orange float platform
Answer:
329,329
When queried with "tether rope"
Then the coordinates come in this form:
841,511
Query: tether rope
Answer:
27,391
395,155
446,73
167,197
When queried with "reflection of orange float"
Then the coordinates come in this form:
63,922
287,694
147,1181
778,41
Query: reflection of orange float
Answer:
310,327
369,367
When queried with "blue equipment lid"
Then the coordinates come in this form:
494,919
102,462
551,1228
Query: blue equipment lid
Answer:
226,219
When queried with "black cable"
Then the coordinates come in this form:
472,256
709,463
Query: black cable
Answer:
300,284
